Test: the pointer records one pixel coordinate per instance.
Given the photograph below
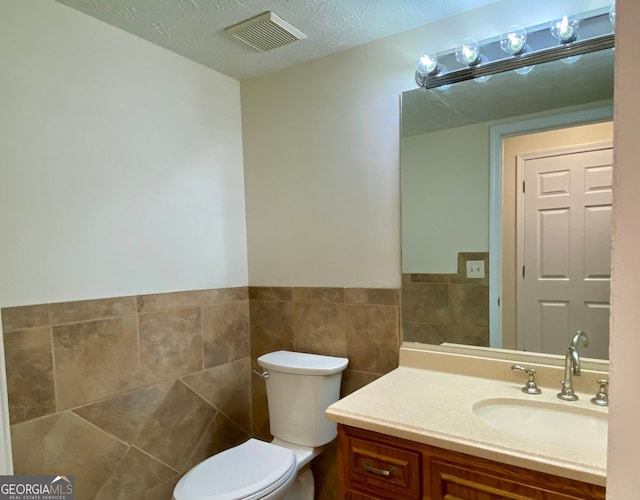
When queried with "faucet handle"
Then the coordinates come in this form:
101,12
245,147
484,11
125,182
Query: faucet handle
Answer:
531,386
602,397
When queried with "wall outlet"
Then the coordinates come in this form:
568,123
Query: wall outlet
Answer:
475,269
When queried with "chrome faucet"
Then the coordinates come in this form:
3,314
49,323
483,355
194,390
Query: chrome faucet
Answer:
572,366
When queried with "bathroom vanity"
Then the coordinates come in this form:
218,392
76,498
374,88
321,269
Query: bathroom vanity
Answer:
442,433
378,466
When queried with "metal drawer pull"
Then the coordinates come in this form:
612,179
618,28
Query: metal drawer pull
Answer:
368,466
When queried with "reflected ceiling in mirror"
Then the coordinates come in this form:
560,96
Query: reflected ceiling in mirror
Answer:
445,185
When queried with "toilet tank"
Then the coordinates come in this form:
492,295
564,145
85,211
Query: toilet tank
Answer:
300,388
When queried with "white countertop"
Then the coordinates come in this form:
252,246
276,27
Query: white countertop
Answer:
435,408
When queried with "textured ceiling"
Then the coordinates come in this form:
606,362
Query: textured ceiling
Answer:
195,28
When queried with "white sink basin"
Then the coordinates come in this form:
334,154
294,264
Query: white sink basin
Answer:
556,423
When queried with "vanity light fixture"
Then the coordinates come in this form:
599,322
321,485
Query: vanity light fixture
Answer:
519,49
565,29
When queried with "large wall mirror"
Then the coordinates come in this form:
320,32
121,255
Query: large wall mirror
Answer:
506,208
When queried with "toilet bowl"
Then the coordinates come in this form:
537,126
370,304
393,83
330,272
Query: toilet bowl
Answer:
300,387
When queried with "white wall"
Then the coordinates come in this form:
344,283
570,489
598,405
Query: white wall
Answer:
321,173
624,410
120,167
321,153
121,163
445,197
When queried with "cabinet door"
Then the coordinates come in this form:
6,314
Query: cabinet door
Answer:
459,482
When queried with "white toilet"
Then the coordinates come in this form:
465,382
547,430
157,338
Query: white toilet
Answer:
300,387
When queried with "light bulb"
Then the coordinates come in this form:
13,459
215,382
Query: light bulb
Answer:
428,64
468,52
513,39
565,29
612,14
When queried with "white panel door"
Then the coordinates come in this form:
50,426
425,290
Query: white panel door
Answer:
565,250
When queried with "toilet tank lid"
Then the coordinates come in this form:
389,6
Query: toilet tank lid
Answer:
302,363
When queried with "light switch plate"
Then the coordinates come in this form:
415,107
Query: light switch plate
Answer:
475,269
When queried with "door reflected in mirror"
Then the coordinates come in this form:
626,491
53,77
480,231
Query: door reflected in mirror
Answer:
556,230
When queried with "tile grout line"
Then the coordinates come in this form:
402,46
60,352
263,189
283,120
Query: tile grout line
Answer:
95,320
250,335
344,325
112,472
119,394
202,436
74,414
156,459
138,342
143,426
206,400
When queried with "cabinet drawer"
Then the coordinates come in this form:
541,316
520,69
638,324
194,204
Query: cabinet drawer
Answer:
381,469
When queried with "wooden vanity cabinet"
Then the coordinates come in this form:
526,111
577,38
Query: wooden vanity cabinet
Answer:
374,466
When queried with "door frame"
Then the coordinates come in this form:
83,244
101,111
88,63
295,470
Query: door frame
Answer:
520,233
496,135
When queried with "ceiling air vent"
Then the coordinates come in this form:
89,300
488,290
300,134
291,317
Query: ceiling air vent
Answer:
265,32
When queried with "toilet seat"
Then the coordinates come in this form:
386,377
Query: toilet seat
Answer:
249,471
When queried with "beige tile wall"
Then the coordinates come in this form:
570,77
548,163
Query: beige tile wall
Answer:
128,393
439,308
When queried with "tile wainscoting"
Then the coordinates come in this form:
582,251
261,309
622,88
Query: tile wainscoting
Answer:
439,308
128,393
